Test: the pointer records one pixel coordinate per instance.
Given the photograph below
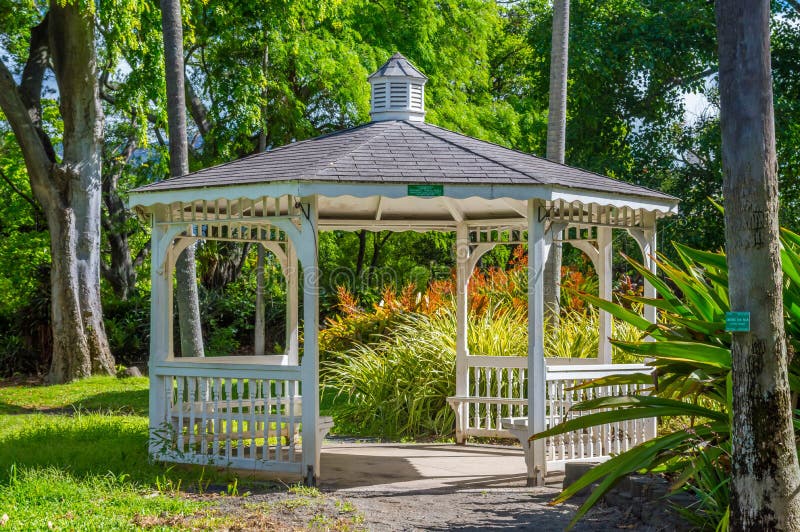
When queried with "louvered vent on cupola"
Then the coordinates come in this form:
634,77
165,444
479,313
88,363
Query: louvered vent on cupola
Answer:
398,91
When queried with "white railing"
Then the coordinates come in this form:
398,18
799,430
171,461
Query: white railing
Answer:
242,415
597,441
496,404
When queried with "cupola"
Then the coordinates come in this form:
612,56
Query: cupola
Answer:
398,91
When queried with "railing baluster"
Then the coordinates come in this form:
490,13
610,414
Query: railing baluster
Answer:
240,394
192,418
252,429
476,406
203,430
180,407
278,421
266,394
227,403
292,407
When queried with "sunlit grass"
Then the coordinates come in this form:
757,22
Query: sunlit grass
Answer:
94,393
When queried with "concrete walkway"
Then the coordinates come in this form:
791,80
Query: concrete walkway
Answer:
424,468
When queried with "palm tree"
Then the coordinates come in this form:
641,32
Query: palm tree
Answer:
185,267
556,133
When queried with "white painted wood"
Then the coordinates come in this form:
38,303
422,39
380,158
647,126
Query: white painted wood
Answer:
537,466
589,249
605,278
306,246
462,308
327,189
646,238
160,330
291,271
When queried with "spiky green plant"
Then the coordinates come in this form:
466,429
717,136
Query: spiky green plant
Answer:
691,356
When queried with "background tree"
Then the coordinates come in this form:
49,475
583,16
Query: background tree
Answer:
556,139
765,473
67,185
185,266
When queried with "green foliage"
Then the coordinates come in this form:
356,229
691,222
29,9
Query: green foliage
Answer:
396,386
128,328
692,359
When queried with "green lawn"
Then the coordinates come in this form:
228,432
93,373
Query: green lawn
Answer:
74,457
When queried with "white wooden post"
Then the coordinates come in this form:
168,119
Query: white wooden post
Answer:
537,255
462,309
307,253
292,305
605,278
646,238
649,251
260,326
160,330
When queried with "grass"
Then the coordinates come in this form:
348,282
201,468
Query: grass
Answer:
74,457
95,394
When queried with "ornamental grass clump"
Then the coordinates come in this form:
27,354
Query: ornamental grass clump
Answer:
398,386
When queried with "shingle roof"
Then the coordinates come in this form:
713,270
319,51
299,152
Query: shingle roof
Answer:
398,65
400,152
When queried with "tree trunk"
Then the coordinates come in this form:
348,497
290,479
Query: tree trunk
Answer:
120,272
259,341
765,477
362,251
185,266
556,142
69,191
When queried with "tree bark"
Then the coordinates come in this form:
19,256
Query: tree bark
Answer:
120,272
765,476
69,190
185,267
259,339
556,142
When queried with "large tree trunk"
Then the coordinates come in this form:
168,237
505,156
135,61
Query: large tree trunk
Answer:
75,66
556,141
765,477
69,190
185,267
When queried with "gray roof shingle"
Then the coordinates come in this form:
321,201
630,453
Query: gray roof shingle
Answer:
398,66
400,152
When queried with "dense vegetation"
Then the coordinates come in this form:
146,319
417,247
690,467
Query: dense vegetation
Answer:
263,74
288,72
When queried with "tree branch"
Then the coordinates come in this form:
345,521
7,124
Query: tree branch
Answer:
37,157
196,108
142,255
36,207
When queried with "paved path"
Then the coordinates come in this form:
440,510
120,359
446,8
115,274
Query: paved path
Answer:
409,487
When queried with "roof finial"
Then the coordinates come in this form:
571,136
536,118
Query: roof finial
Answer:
398,91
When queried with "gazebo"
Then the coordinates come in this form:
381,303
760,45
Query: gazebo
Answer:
395,173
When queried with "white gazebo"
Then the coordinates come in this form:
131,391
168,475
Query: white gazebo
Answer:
395,173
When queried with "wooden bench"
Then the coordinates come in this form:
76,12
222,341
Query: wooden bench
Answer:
459,405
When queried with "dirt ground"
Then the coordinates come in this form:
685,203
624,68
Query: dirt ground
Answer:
410,487
520,509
